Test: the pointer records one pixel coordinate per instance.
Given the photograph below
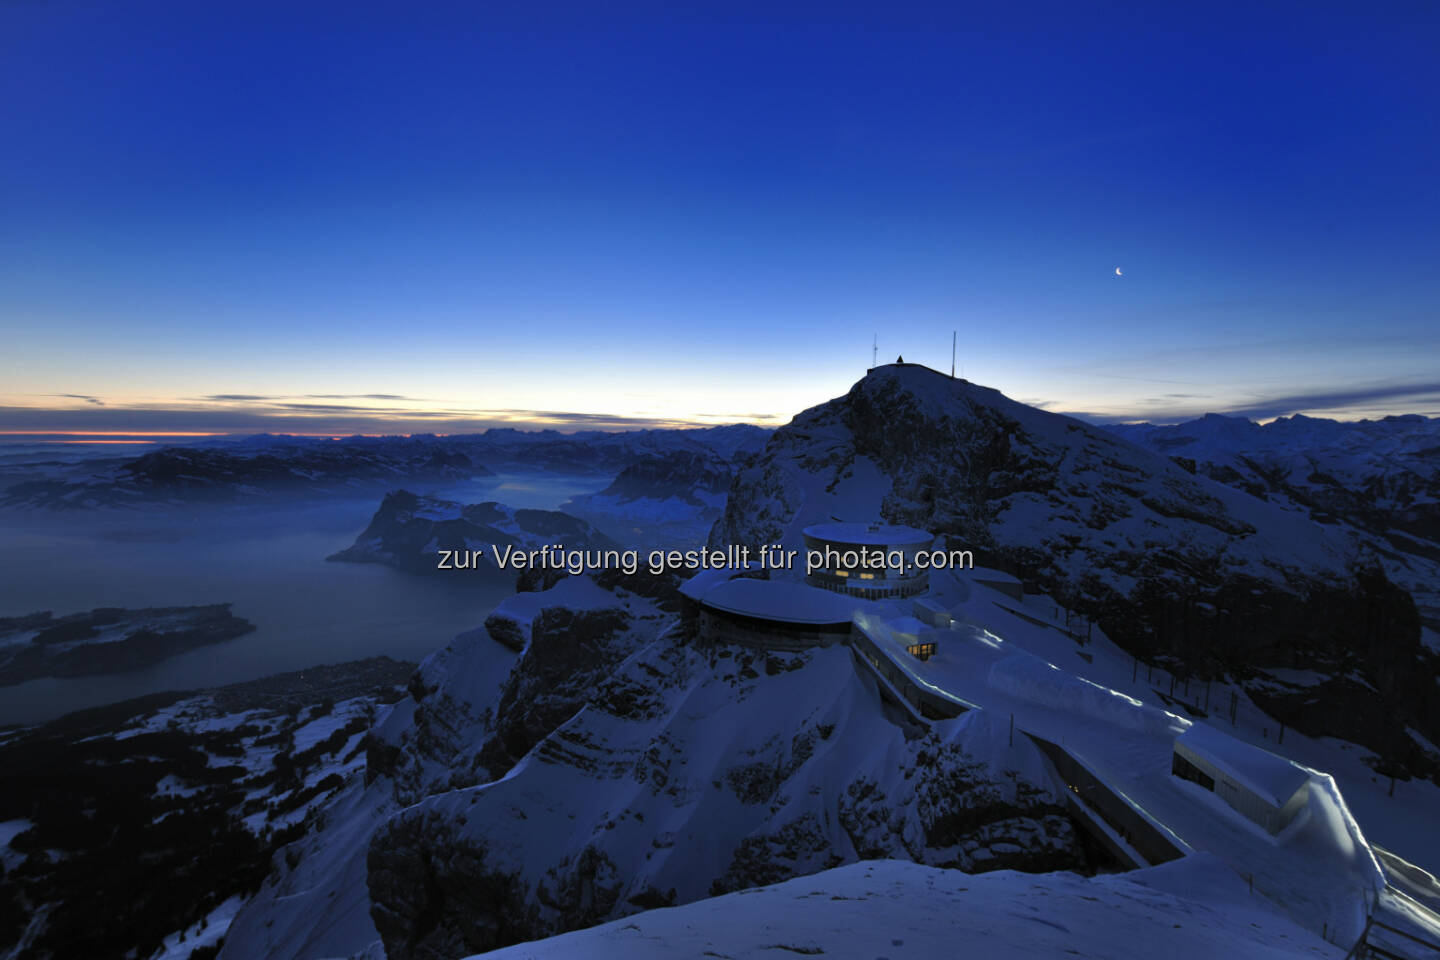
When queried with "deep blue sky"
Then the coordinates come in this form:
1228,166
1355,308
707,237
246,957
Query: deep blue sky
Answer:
542,215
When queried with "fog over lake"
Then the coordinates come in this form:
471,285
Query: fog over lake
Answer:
268,561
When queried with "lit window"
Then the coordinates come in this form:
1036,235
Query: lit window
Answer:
921,651
867,576
843,573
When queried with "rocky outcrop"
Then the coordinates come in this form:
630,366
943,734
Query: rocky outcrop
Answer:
477,705
569,650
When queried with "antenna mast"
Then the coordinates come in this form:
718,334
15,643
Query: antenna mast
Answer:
875,350
952,354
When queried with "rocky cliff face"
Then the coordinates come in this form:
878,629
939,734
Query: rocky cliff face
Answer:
1175,567
480,703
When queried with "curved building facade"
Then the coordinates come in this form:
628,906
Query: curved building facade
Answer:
870,560
774,614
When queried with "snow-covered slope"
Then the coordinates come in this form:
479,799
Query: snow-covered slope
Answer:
1193,909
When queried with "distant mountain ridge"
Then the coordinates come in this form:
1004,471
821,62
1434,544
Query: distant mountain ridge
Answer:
265,465
185,474
1382,474
665,500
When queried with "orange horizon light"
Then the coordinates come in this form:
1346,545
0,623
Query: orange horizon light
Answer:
108,433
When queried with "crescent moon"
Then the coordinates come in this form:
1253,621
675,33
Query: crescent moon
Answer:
1118,273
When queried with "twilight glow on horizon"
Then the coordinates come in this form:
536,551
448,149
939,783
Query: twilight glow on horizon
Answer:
384,218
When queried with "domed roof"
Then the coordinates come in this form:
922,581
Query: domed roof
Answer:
871,534
784,601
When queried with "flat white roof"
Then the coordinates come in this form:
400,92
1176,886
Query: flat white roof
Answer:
1271,776
870,534
785,601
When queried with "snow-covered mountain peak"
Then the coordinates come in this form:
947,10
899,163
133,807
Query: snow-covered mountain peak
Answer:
1173,564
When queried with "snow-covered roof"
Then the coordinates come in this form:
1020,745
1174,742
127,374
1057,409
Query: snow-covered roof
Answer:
1271,776
931,606
870,534
701,584
908,625
783,600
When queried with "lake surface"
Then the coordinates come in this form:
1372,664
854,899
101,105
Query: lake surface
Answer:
268,562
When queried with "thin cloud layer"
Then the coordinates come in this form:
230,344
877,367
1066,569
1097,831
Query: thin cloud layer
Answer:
317,419
1356,403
